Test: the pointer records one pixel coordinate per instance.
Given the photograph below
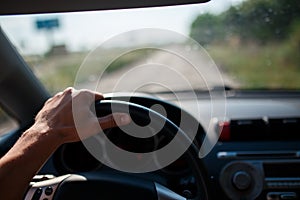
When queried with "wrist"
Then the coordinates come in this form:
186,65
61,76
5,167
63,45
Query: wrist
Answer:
44,136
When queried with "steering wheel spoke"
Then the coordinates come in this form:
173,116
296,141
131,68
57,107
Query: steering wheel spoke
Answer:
105,186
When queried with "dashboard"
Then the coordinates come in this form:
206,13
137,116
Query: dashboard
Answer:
256,155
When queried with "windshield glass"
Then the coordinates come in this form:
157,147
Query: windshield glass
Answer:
251,44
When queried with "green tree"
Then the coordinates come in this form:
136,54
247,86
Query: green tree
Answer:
207,28
253,20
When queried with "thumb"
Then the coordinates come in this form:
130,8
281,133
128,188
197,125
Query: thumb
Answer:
114,120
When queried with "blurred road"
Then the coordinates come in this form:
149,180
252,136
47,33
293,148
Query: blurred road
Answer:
174,69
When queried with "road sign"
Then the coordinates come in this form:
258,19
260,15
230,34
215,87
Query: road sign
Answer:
47,24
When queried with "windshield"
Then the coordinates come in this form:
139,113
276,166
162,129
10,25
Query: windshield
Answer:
250,44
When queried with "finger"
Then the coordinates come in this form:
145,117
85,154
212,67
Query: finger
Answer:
98,96
92,95
113,120
64,93
69,89
58,94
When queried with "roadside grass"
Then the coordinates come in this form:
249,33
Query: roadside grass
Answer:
257,66
252,65
56,72
127,59
59,72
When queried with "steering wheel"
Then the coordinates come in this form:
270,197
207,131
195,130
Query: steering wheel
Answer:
121,185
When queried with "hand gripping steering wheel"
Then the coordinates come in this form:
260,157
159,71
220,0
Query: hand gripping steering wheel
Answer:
120,185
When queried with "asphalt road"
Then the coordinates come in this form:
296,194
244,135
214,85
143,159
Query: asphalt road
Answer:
172,69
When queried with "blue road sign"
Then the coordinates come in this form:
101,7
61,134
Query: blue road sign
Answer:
47,24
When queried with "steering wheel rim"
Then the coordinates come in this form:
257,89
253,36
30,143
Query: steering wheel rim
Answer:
76,186
104,107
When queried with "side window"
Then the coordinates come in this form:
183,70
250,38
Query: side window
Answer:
6,123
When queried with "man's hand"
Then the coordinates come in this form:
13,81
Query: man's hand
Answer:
57,116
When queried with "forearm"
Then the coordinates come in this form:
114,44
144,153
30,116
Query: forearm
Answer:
23,161
54,125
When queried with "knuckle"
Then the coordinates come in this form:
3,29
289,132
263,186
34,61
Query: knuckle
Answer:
68,91
49,100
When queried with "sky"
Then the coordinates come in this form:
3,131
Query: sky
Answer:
86,30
